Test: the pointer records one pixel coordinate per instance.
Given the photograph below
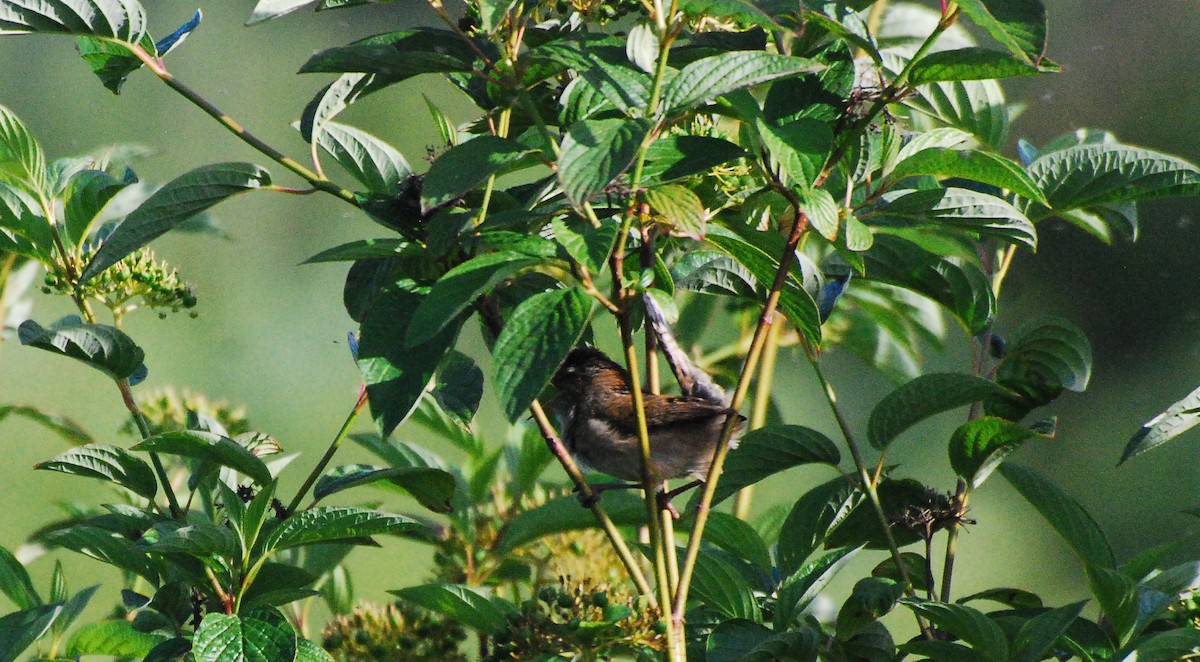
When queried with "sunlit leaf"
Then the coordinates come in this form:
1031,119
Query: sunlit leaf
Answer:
596,152
1177,419
105,462
433,488
469,605
717,75
326,524
259,635
209,447
102,347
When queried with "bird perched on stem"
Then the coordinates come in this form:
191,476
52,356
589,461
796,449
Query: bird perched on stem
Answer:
600,425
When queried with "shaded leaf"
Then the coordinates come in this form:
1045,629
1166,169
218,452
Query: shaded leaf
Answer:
207,447
15,582
871,598
971,625
800,588
468,605
737,537
770,450
566,514
979,446
810,519
458,289
675,157
1064,514
112,62
433,488
20,629
325,524
363,249
102,347
465,166
921,398
87,194
723,588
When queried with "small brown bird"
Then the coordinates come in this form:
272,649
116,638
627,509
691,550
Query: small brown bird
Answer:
600,427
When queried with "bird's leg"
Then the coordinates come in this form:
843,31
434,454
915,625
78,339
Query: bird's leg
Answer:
600,488
664,498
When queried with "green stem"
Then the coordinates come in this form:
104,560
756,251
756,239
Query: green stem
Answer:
144,430
329,452
758,415
962,493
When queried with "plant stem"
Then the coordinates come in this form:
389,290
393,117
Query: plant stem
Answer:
329,452
144,431
962,493
758,415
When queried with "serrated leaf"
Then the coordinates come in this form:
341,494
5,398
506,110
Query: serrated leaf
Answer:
110,463
465,166
458,388
535,340
585,244
1177,419
957,208
373,162
976,165
1019,25
458,288
800,148
199,539
123,20
325,524
770,450
433,488
469,605
800,588
102,347
112,638
974,63
207,447
595,152
971,625
22,161
104,546
20,629
1064,514
260,635
977,447
717,75
566,514
171,205
921,398
1044,356
977,107
680,208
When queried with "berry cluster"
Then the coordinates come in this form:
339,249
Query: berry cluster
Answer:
393,633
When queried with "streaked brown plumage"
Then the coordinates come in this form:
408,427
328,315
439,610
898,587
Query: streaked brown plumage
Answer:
600,428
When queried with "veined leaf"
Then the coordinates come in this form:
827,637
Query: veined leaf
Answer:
177,201
921,398
871,599
1177,419
326,524
208,447
199,539
102,347
112,62
465,166
88,192
123,20
973,63
266,10
113,637
433,488
800,148
458,289
15,582
1063,513
675,157
1019,25
723,588
975,106
717,75
534,342
808,523
1044,357
105,462
336,97
737,537
22,161
596,152
468,605
800,588
373,162
64,427
959,208
979,446
397,56
770,450
588,246
976,165
260,635
363,249
680,208
104,546
21,628
971,625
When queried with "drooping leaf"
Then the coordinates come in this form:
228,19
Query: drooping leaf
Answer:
198,539
123,20
1174,421
977,107
1044,357
979,446
208,447
958,208
566,514
171,205
260,635
64,427
102,347
112,62
88,192
433,488
733,639
336,97
595,152
770,450
105,546
1064,514
717,75
921,398
534,342
976,165
363,249
373,162
871,598
397,56
465,166
326,524
110,463
458,289
468,605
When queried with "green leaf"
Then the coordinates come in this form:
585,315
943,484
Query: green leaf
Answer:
307,651
104,546
1129,607
261,635
463,167
977,447
1177,419
957,208
69,430
811,519
15,582
102,347
971,625
207,447
176,202
973,63
1043,357
22,161
770,450
585,244
960,287
921,398
1064,514
457,289
975,106
433,488
116,465
595,152
363,249
737,537
680,208
325,524
20,629
723,588
733,640
373,162
800,148
469,605
199,539
743,12
566,514
1019,25
976,165
278,584
112,638
87,194
396,371
871,598
397,56
1012,597
112,62
674,157
23,229
1176,644
711,77
800,588
539,334
336,97
123,20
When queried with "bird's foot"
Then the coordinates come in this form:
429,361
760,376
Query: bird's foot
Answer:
589,497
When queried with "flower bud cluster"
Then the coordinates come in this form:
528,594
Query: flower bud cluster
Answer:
137,280
393,633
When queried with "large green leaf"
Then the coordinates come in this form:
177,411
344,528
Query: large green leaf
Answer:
458,289
1019,25
977,447
116,637
723,588
104,546
1039,633
717,75
1063,513
957,208
20,629
871,598
87,194
799,148
770,450
199,539
433,488
112,62
207,447
800,588
1177,419
102,347
22,162
975,106
921,398
1168,646
336,97
327,524
177,201
1044,357
674,157
973,63
536,338
373,162
261,635
587,245
971,625
566,514
396,371
469,605
976,165
813,515
737,537
15,582
364,249
124,20
23,228
110,463
595,152
465,166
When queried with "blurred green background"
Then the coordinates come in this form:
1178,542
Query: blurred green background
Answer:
271,333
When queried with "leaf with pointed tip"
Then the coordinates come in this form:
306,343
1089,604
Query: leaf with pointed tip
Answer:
971,625
921,398
770,450
565,514
798,148
373,162
64,427
105,462
1019,25
112,62
22,162
976,165
260,635
397,56
266,10
596,152
122,20
682,209
15,582
326,524
465,166
433,488
336,97
536,339
674,157
20,629
737,537
814,515
199,539
800,588
1177,419
1044,357
975,106
974,63
458,289
977,447
112,637
1168,646
102,347
472,606
104,546
723,588
957,208
1063,513
363,249
717,75
207,447
585,244
171,205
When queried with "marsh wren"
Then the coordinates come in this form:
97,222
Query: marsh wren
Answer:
600,425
